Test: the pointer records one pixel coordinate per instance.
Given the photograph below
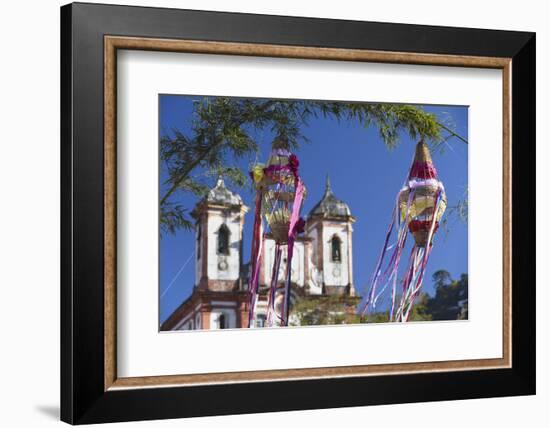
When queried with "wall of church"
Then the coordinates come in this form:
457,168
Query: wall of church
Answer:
298,263
335,272
229,315
190,321
221,266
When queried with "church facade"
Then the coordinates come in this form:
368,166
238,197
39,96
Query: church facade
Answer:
322,264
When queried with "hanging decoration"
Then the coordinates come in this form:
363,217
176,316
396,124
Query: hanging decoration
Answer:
418,209
279,196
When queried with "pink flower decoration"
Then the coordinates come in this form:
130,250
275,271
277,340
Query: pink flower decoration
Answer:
293,163
300,225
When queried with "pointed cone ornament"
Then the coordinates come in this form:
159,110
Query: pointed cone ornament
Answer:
279,196
420,205
422,197
422,152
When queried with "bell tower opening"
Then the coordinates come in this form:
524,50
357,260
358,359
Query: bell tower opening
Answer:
336,249
221,322
223,240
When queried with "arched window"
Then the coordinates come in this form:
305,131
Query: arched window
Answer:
336,249
223,240
221,321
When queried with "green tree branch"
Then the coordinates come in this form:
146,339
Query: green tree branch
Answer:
223,127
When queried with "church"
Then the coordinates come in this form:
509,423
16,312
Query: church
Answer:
321,265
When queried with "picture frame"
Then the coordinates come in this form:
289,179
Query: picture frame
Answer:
91,391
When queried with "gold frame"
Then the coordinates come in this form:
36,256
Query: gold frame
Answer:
113,43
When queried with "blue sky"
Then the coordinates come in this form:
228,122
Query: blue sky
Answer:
364,173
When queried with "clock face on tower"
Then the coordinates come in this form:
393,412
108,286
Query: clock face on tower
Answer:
222,264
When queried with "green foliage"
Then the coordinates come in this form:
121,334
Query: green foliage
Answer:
173,217
377,317
419,311
325,310
224,127
451,298
450,301
390,119
456,212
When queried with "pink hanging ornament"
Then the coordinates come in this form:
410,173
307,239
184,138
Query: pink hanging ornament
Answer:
419,207
279,196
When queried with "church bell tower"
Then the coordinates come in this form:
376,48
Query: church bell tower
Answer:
218,240
330,226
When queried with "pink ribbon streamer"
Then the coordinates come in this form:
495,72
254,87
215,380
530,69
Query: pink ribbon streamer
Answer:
255,258
292,232
295,226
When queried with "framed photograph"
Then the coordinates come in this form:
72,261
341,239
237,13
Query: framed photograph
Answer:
292,213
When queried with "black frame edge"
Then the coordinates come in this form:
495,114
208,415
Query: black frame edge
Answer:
66,306
524,219
83,399
302,31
